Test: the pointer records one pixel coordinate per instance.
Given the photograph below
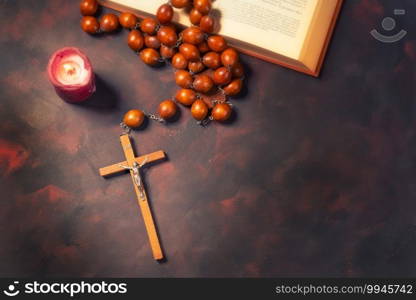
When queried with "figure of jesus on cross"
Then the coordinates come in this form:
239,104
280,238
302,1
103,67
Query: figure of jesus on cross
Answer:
133,165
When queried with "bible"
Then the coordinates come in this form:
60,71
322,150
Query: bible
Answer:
291,33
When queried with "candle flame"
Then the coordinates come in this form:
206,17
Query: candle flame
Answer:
69,72
69,68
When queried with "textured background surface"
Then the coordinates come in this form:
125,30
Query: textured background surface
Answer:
314,177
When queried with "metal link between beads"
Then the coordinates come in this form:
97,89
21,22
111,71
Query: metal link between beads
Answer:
178,42
206,121
226,101
126,129
155,118
221,90
157,27
163,60
137,26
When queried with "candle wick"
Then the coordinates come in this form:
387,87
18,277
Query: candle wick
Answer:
70,70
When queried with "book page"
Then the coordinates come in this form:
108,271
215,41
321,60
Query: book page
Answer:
276,25
279,26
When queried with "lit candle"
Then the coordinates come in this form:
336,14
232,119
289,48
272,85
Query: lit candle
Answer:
71,74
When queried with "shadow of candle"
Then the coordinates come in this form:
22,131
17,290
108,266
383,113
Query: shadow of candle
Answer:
104,99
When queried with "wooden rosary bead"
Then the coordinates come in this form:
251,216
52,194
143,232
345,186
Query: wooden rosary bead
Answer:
149,26
190,52
186,96
196,66
90,24
237,70
151,41
193,35
135,40
127,20
88,7
212,60
164,13
229,57
167,36
222,76
203,47
199,110
109,23
134,118
203,83
195,16
203,6
183,79
221,112
150,56
207,24
167,109
234,87
167,52
179,61
180,3
217,43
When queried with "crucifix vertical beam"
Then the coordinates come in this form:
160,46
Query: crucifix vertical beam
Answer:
133,164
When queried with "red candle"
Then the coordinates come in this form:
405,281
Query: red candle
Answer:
71,74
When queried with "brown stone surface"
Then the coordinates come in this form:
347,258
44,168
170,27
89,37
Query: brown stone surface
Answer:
312,177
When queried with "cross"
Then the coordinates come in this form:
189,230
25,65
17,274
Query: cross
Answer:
133,164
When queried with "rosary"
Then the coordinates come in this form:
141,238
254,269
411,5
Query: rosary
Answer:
204,63
207,71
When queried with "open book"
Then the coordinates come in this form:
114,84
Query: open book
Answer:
292,33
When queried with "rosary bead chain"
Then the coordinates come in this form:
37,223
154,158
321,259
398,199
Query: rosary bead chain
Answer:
195,50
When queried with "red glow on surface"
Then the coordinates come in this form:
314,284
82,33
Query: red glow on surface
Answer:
51,193
410,49
368,14
228,206
12,156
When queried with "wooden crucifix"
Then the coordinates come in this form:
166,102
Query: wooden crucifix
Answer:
133,164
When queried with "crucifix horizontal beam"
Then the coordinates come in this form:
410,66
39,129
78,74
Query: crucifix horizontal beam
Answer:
116,168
